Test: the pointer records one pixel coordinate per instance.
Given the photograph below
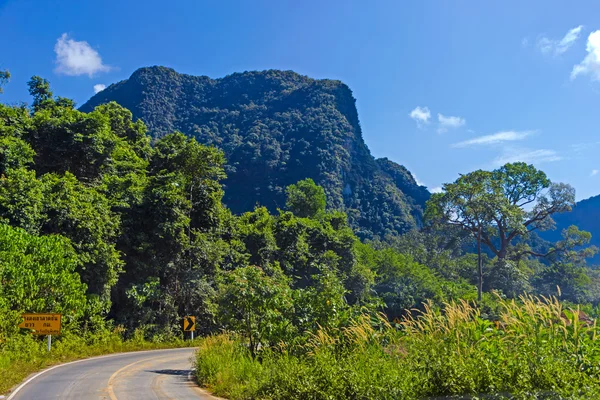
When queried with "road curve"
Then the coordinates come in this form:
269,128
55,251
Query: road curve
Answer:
158,374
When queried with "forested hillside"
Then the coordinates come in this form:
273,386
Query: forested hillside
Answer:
276,128
586,215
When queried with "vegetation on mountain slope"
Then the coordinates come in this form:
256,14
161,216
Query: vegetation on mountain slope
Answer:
276,128
585,215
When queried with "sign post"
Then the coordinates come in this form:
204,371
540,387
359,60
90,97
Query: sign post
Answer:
43,324
189,325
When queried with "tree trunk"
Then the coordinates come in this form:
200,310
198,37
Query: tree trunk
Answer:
503,249
479,267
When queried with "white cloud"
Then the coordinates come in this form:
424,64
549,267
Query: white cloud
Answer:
421,115
417,180
558,47
594,172
77,58
449,122
525,42
591,63
99,87
527,155
436,189
500,137
580,147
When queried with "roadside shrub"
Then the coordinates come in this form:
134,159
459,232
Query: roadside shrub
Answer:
536,350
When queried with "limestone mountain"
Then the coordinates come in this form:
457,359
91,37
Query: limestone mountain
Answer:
276,128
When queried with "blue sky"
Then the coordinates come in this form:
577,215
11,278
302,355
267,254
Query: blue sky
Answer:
443,87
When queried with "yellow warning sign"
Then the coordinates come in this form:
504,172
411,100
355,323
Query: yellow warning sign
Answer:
42,324
189,324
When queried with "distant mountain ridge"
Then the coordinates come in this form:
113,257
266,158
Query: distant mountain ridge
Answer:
278,127
585,215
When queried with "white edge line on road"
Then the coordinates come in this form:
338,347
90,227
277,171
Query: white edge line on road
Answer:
14,393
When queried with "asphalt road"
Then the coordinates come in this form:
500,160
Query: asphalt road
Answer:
159,374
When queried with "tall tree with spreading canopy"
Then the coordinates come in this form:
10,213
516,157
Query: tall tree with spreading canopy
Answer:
504,205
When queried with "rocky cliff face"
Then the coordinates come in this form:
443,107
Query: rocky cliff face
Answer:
277,127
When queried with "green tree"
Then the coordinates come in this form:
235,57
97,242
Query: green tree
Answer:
322,304
563,279
306,199
567,274
15,152
4,78
38,274
175,234
62,205
103,148
122,124
256,230
22,200
305,245
502,206
39,89
200,168
404,284
84,216
441,247
256,305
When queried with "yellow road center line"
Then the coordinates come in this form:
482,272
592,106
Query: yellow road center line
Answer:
111,392
110,387
84,360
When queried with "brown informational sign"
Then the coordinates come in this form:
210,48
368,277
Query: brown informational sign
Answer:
42,324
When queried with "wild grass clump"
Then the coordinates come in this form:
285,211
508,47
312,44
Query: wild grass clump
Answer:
228,367
536,350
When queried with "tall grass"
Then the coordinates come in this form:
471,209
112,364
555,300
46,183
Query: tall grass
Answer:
536,350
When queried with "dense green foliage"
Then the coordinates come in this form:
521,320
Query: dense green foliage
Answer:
306,199
276,128
538,350
37,274
502,209
493,204
585,215
125,238
146,233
